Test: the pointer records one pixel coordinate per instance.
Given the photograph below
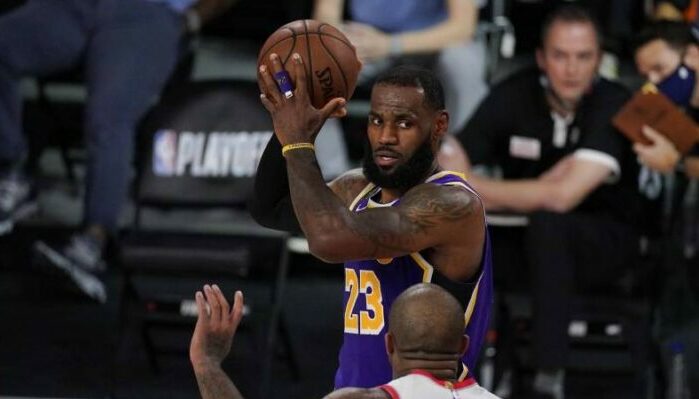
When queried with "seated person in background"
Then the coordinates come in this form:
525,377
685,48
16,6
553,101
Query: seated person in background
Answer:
667,55
549,131
424,343
129,48
389,32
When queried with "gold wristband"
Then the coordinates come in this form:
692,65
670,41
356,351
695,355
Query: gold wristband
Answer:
297,146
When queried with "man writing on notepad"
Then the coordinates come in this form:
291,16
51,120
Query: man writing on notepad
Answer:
667,55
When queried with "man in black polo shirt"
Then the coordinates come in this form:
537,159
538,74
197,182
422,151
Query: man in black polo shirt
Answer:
563,164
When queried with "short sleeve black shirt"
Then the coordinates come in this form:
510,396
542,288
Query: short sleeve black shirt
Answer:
513,128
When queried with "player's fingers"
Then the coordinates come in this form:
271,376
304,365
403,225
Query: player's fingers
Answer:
269,87
334,105
198,335
213,303
276,63
202,311
339,113
222,301
282,77
263,89
267,104
237,310
300,76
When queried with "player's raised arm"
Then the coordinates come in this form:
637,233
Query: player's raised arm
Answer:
428,216
334,75
271,205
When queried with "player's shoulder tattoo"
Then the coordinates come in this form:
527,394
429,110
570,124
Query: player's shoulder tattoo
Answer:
348,185
430,204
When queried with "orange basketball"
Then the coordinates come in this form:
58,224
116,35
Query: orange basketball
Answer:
329,57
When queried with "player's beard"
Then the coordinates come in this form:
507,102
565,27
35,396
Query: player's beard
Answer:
409,174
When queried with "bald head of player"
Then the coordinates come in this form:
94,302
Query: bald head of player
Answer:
426,331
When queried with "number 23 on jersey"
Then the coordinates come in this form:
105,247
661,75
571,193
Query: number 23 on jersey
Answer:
371,320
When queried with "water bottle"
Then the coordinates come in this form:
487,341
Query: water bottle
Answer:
678,383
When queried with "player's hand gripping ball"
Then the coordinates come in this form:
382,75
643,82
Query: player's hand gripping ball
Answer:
330,60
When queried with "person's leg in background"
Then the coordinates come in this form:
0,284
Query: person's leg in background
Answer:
38,38
461,69
551,266
569,253
132,52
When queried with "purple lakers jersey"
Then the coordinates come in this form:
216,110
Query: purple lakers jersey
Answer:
371,286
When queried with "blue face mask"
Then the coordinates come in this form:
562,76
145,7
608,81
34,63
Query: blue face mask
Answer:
679,86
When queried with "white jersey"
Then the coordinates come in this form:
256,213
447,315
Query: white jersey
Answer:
421,384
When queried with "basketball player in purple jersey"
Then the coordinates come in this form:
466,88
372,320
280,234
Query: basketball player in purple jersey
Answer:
399,221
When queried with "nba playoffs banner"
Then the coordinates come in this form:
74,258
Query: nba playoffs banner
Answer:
207,154
202,144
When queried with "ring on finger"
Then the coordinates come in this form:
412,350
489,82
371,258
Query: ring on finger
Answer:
284,82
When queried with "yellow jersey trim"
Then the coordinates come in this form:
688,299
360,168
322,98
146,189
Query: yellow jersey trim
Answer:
365,191
460,184
464,373
427,268
370,186
472,301
444,173
373,204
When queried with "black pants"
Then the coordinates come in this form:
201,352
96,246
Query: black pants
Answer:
569,254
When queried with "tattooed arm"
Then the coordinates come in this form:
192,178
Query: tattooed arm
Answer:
428,216
447,219
212,340
271,205
215,384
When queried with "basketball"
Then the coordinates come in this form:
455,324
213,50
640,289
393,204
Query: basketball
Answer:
329,57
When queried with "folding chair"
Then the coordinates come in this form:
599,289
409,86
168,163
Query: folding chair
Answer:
610,330
199,150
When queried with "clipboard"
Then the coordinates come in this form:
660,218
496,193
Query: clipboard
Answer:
650,107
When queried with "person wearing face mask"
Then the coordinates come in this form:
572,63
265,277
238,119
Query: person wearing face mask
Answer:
667,55
569,171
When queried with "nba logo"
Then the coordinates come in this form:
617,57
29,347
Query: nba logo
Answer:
164,152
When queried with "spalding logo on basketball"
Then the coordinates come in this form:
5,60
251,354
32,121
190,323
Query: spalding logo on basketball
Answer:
330,59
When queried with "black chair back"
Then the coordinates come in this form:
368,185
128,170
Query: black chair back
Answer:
199,149
201,146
